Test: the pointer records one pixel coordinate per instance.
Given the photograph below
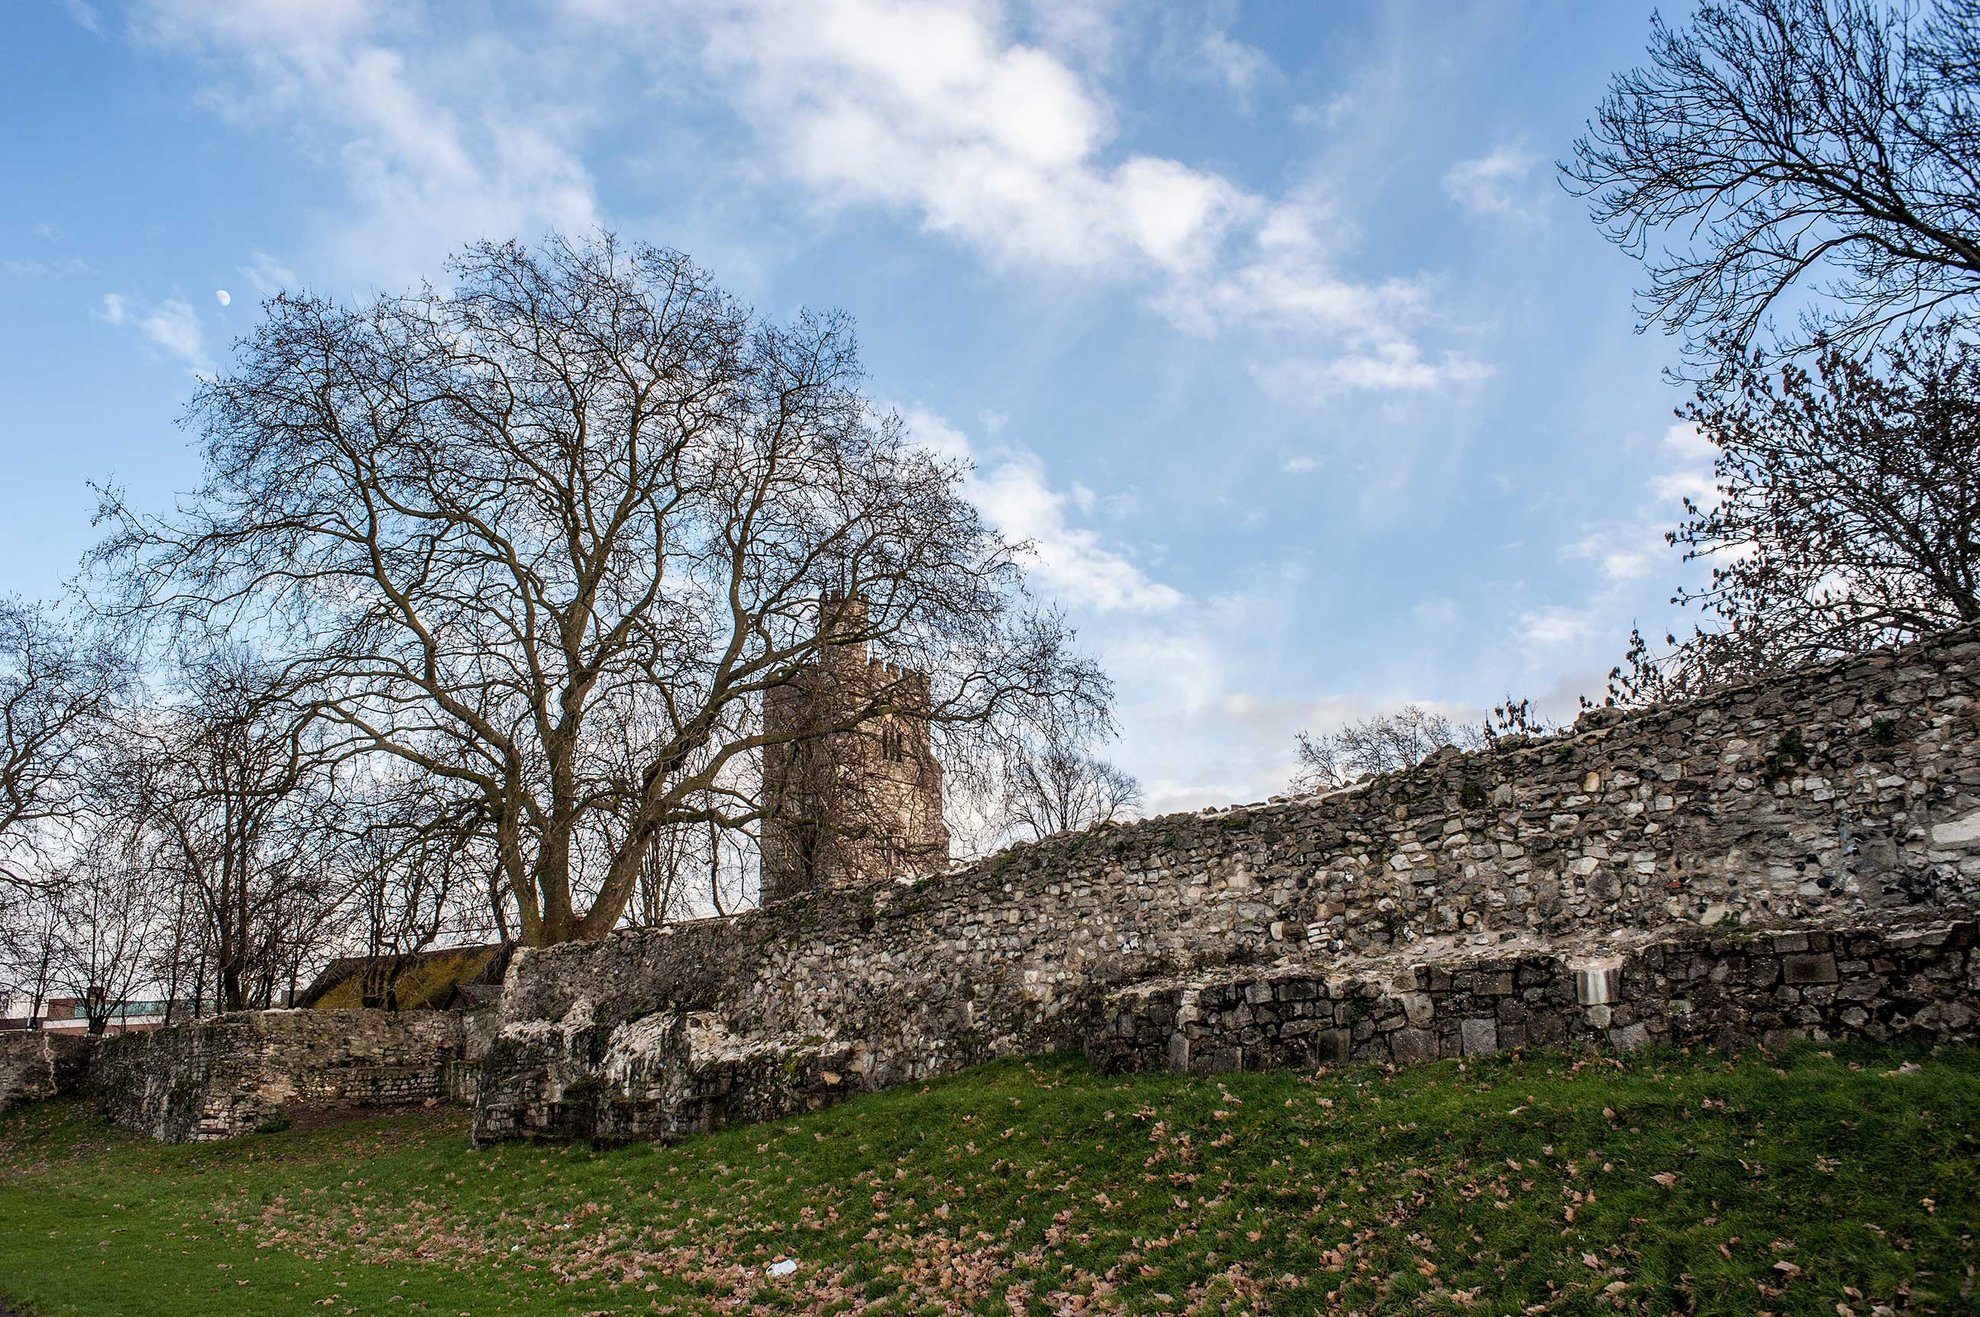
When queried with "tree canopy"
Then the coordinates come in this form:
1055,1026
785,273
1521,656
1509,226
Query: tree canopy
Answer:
1847,516
550,534
1815,157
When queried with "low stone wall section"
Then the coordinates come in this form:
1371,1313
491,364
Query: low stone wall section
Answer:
1920,984
1847,794
38,1064
232,1074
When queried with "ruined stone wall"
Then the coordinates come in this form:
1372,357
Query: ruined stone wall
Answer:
231,1074
1919,983
37,1064
1847,795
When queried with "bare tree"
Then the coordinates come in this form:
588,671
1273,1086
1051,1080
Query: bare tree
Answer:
582,500
1848,515
693,870
412,856
1380,743
89,924
1390,742
1055,783
108,916
58,685
180,954
676,860
1775,150
229,795
30,928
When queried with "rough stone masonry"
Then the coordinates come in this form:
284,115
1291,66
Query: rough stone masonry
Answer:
229,1075
1794,858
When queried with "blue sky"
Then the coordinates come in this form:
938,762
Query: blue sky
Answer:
1267,323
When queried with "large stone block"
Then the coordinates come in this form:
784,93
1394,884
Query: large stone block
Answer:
1413,1045
1815,967
1481,1037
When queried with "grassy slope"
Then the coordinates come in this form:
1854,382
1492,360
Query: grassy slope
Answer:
1786,1184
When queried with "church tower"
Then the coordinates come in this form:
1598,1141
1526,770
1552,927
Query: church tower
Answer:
860,803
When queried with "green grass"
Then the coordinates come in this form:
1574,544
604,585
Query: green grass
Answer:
1820,1182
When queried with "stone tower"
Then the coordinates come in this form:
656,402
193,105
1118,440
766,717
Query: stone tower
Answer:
856,805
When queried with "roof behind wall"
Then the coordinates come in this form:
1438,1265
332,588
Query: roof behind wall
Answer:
427,981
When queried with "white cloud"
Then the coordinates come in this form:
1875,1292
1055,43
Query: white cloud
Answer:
171,325
1619,554
1496,183
1627,564
1196,44
84,15
1194,724
433,146
1686,442
37,267
1675,485
1625,551
1190,727
1395,366
982,120
1069,561
1555,627
1084,31
930,108
1284,277
937,111
1206,718
268,276
1189,670
1240,67
1692,476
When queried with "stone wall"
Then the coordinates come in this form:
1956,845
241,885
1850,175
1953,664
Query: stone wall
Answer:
1919,984
1842,795
231,1074
38,1064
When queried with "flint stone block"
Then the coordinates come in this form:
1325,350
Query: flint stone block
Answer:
1411,1045
1819,967
1630,1038
1958,833
1332,1046
1481,1037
